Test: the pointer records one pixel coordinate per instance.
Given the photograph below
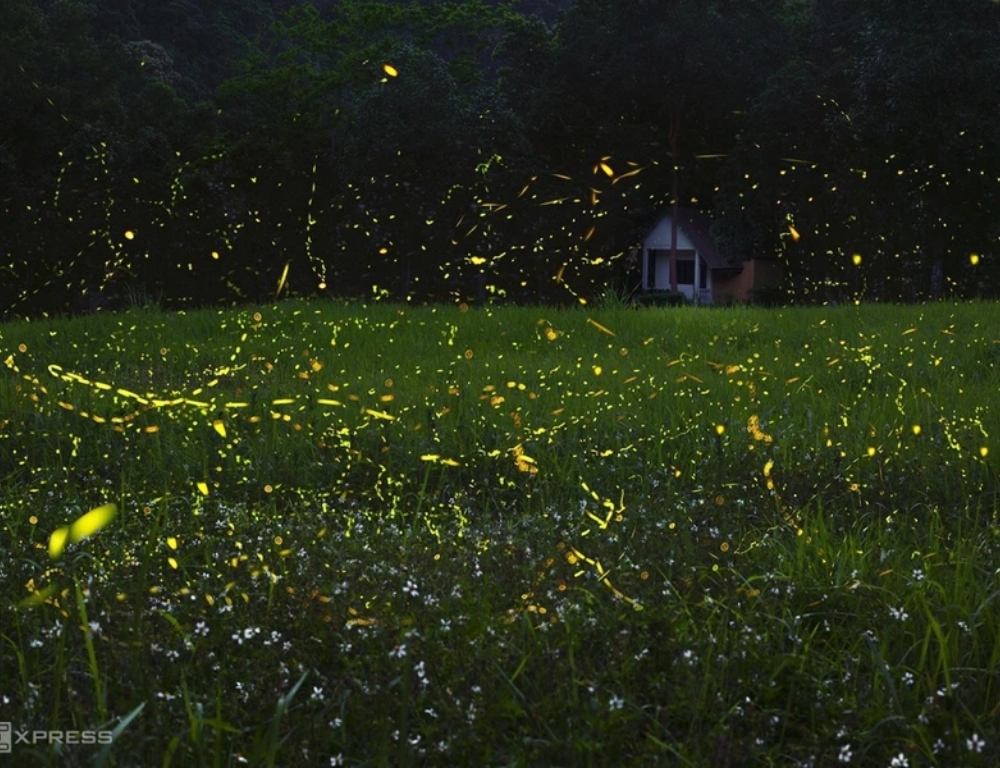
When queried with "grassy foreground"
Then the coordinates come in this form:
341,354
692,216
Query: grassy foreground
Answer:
376,535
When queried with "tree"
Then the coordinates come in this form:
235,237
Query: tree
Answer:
925,109
395,105
870,155
88,135
651,86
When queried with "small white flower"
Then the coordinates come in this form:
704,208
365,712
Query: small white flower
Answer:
845,754
975,744
399,652
617,702
899,761
898,613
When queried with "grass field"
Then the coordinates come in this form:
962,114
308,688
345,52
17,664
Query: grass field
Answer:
379,535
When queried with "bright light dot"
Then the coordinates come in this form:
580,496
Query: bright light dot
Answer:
129,234
984,451
856,258
719,429
390,70
916,429
974,259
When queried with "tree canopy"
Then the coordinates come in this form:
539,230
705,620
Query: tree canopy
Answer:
469,149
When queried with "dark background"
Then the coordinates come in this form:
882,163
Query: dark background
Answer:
194,151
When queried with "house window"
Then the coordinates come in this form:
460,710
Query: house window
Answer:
650,269
685,271
703,275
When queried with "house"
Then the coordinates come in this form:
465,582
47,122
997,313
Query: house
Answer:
703,275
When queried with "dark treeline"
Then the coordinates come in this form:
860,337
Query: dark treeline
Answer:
210,150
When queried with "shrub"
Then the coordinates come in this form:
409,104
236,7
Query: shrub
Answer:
768,296
662,299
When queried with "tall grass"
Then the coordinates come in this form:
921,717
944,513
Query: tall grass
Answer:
397,535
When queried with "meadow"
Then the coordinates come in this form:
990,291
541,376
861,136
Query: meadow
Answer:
347,534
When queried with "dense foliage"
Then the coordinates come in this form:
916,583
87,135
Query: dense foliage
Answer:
203,151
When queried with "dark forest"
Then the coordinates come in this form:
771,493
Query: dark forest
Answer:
214,152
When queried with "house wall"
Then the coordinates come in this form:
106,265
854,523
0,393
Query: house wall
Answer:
722,286
661,271
726,288
660,237
757,273
661,264
658,242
